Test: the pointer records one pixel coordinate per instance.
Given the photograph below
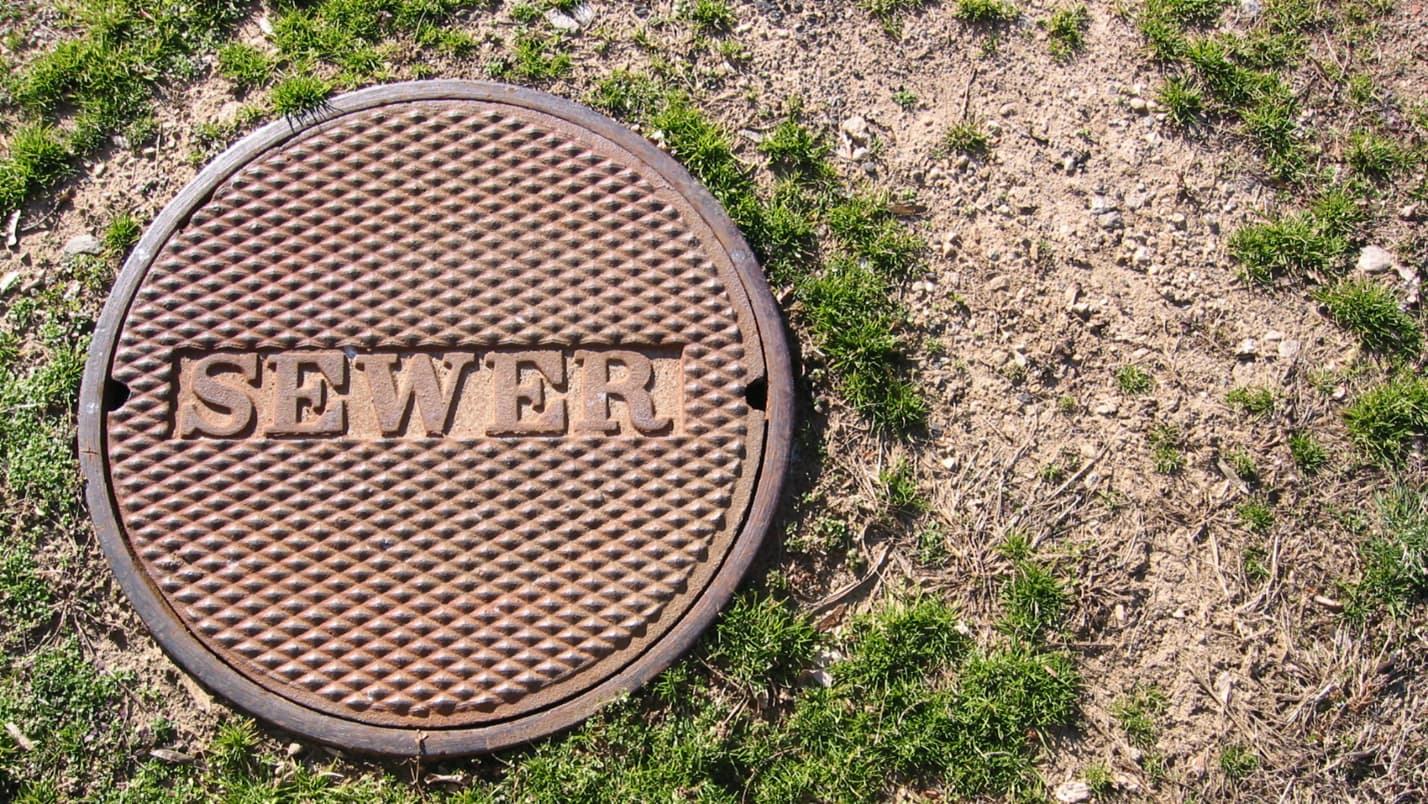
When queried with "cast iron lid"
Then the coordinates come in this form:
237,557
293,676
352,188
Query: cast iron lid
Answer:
430,424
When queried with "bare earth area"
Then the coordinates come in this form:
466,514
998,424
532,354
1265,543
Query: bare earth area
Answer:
1122,393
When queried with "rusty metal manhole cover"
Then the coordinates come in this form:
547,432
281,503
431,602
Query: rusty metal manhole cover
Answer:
431,425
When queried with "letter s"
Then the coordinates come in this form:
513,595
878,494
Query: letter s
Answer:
231,404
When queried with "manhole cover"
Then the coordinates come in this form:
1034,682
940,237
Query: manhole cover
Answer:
431,425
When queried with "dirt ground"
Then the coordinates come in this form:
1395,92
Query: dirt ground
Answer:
1091,235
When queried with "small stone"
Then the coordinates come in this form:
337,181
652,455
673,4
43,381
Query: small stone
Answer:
1073,292
999,283
1289,349
9,281
1375,260
1248,347
1105,409
1135,200
1408,212
1176,219
265,25
1110,220
1139,105
949,463
1272,336
1072,792
1008,109
81,244
561,22
856,128
1141,256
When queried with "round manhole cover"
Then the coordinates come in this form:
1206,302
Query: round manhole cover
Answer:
430,425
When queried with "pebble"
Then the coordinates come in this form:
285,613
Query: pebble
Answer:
1110,220
999,283
1135,200
1375,260
1073,292
81,244
1408,212
1141,256
1248,347
1289,349
1008,109
1105,409
1177,220
1072,792
561,22
1139,105
857,129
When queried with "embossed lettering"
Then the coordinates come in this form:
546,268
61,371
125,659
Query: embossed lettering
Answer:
494,392
392,399
511,392
633,388
232,403
302,382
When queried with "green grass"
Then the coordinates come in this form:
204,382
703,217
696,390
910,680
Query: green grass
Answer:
900,493
1183,102
1139,712
1252,400
1256,516
122,233
298,95
38,158
967,137
89,86
905,98
1376,157
1387,418
842,252
1394,558
1066,30
1314,242
1254,562
1166,449
986,12
1134,380
1372,313
792,148
246,66
890,13
534,57
711,16
1238,761
1243,465
761,641
1035,602
1307,453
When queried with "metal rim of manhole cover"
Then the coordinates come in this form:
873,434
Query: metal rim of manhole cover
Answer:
431,423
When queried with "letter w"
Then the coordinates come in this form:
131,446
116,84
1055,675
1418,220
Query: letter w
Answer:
392,400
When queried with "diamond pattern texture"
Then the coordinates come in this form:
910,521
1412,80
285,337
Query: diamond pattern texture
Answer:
430,582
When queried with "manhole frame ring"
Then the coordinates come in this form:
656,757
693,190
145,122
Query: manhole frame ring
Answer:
226,681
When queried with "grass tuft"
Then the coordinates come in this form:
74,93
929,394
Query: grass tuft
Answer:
1308,454
1134,380
1166,444
1182,100
1384,420
1372,313
1066,30
1395,559
1252,400
986,12
711,16
122,233
889,13
967,137
761,641
246,66
299,95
